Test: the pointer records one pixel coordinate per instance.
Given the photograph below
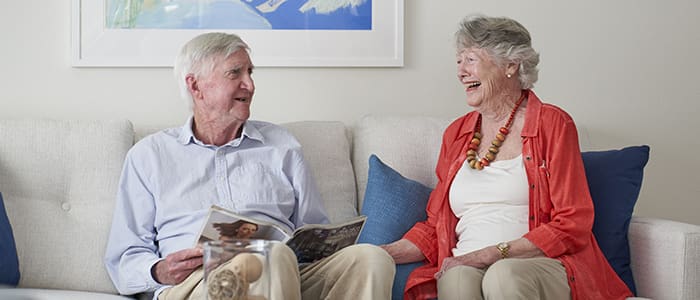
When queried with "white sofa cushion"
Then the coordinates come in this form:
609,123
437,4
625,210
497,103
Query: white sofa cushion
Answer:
326,146
409,144
59,182
41,294
665,258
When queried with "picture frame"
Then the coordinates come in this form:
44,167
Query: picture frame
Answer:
95,45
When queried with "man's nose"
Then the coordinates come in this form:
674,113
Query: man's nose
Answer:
247,83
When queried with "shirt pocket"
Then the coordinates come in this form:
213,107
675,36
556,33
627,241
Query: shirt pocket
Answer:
255,184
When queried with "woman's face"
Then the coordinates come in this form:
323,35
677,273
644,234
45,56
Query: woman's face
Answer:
246,231
482,78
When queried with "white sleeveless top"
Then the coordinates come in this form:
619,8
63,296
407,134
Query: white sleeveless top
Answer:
491,204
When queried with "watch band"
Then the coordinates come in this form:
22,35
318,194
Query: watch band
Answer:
503,247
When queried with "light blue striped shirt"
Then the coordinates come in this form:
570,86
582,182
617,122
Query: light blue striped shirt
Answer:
170,179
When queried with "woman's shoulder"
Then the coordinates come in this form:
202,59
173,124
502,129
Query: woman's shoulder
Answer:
551,111
460,123
460,126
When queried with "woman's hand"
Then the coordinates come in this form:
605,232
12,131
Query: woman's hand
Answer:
482,258
403,251
177,266
479,259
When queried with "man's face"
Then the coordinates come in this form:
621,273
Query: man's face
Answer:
227,91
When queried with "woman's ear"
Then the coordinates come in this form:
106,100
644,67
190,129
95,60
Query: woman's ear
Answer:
512,69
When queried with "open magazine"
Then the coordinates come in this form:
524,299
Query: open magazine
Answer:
310,242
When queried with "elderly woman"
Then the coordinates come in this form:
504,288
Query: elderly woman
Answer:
511,215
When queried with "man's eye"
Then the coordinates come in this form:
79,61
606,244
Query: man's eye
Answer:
233,73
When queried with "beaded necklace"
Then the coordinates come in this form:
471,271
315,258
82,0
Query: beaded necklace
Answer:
490,156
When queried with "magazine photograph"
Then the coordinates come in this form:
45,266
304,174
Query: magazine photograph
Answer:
310,242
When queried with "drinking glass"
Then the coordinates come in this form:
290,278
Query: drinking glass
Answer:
237,269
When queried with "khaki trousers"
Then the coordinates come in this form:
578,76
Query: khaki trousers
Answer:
511,278
360,271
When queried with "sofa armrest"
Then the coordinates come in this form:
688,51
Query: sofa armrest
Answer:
665,258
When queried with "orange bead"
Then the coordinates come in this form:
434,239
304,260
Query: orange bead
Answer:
471,152
472,164
484,162
496,143
476,141
477,135
493,149
500,137
478,166
504,130
490,156
473,147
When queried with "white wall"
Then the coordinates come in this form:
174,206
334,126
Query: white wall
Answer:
626,70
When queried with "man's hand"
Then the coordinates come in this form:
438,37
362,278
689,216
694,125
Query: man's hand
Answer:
177,266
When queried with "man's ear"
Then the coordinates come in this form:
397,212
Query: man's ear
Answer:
193,86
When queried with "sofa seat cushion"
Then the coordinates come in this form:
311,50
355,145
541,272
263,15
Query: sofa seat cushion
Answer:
9,264
614,180
47,294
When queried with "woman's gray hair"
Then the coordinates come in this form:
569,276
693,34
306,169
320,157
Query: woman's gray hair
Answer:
506,40
199,56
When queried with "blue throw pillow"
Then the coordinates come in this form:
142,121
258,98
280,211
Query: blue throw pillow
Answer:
9,264
392,204
614,180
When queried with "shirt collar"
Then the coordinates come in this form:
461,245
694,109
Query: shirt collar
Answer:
250,131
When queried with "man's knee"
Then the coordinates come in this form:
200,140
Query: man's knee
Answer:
370,258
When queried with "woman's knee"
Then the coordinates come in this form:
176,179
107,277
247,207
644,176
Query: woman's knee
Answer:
503,275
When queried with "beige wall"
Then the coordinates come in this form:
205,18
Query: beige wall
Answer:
626,70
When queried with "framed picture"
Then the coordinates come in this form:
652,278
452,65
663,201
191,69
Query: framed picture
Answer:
280,33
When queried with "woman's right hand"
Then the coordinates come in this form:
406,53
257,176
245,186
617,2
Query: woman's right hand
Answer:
403,251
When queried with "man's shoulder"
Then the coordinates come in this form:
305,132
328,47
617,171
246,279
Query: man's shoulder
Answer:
274,134
156,140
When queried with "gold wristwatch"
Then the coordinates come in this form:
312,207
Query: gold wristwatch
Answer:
503,247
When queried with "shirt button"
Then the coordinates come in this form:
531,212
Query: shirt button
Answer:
532,186
528,157
532,218
65,206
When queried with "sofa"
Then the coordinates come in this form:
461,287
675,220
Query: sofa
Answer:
58,179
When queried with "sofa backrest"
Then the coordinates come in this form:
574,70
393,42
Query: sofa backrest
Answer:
409,144
326,146
59,181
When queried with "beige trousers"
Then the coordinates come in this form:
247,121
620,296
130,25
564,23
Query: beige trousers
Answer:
511,278
360,271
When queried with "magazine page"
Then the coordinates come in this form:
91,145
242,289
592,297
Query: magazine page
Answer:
315,241
223,224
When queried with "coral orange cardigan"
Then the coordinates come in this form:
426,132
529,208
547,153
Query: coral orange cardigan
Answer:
561,209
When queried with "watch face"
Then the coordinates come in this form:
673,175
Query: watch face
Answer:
503,246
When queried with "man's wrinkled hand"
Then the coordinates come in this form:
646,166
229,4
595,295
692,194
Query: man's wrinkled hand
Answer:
177,266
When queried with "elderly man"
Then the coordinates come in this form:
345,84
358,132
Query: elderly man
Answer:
255,168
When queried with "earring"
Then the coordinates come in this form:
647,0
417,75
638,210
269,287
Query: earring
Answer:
508,75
